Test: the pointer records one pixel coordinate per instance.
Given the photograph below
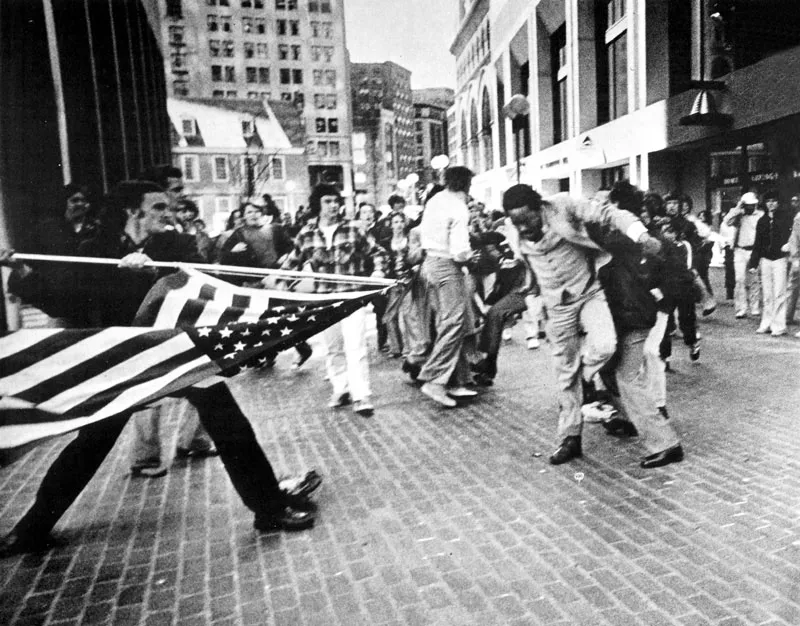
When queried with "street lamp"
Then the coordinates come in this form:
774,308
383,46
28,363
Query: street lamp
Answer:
516,110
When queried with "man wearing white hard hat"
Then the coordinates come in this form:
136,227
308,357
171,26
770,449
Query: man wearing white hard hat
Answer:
743,218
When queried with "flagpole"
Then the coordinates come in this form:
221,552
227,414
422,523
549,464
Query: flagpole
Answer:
212,268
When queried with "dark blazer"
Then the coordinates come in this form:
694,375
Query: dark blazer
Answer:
771,238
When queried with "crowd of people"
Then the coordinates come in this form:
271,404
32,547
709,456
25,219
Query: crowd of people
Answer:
607,282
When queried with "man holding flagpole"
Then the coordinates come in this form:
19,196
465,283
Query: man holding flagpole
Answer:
113,296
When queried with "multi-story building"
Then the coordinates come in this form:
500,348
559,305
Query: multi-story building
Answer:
430,129
234,150
692,95
383,122
289,50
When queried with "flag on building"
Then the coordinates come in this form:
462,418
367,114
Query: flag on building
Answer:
53,381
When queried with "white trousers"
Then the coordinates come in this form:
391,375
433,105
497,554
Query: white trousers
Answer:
346,356
773,286
654,365
748,287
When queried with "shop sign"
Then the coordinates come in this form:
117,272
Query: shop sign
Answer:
759,178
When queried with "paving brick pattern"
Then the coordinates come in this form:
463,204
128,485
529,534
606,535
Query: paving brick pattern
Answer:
451,517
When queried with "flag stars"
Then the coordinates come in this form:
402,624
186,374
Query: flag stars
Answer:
204,332
219,346
266,333
273,320
285,332
226,332
246,332
239,346
292,318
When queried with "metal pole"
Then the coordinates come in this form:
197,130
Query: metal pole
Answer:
516,150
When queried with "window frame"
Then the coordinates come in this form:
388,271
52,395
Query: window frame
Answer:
215,171
194,169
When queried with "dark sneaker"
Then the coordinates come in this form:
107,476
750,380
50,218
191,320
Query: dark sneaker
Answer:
304,352
694,351
569,449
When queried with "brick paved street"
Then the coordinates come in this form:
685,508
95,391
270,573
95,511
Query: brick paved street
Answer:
451,517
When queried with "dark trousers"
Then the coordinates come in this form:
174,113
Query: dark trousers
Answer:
244,460
687,320
379,304
491,335
730,274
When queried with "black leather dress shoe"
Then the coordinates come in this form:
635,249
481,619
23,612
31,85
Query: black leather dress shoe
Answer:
287,518
618,427
569,449
16,543
665,457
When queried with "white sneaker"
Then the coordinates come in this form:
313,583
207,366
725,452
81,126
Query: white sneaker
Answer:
507,334
437,393
762,331
596,412
533,343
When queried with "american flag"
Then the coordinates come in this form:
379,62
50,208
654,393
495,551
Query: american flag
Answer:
53,381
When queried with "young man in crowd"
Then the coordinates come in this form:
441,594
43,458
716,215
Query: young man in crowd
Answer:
331,245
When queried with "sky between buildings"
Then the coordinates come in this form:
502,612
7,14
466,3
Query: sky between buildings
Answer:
413,33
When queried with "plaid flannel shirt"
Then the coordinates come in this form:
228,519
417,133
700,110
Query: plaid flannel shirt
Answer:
350,255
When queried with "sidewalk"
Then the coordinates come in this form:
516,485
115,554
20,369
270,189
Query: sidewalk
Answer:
451,517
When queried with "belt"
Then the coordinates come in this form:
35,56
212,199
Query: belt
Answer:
745,247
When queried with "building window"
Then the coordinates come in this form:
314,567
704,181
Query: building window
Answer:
263,75
223,205
297,77
247,25
286,96
217,93
317,77
253,95
251,75
280,27
319,100
224,3
231,94
331,100
248,128
188,127
286,76
328,52
616,11
325,6
230,74
226,23
179,88
330,77
228,48
291,5
216,73
280,5
247,4
295,53
220,169
333,125
213,47
560,72
175,9
189,168
313,6
314,29
211,3
617,59
277,168
294,28
176,35
322,148
315,53
283,52
333,148
261,25
320,124
211,22
258,4
300,99
261,51
249,50
327,30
